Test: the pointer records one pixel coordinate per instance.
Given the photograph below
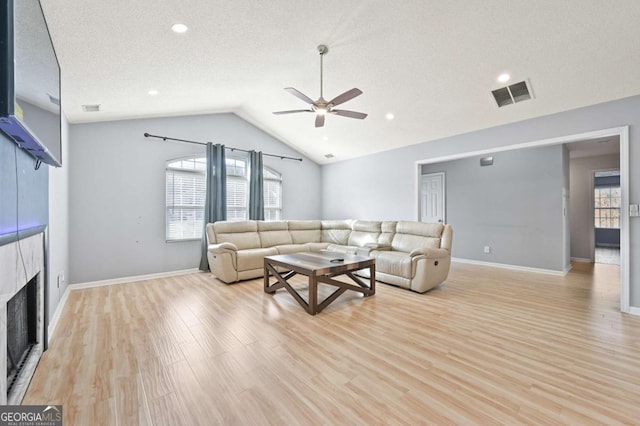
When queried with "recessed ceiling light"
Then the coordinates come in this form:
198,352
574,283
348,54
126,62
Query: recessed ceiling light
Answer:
179,28
325,138
503,78
153,92
389,116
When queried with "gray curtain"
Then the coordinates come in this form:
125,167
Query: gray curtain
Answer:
215,204
256,193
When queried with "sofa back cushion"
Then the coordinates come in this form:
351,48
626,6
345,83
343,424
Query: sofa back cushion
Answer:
243,234
211,234
274,233
335,231
305,231
364,232
413,235
388,229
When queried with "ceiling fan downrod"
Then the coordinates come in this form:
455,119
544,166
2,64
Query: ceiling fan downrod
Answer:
323,51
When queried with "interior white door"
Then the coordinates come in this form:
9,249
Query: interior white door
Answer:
432,198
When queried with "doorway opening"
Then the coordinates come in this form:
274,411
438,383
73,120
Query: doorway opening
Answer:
621,134
606,204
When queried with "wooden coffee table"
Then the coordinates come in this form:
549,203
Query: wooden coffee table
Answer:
320,267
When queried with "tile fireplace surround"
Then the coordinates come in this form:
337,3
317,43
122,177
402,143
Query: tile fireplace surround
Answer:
12,279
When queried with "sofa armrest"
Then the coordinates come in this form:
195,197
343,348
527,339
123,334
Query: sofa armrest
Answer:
222,247
430,253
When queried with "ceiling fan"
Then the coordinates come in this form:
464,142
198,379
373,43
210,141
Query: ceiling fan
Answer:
322,107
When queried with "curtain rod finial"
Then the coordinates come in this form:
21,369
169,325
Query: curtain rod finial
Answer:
146,135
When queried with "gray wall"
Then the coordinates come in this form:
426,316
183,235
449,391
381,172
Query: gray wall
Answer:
513,206
41,199
382,185
59,224
117,191
581,201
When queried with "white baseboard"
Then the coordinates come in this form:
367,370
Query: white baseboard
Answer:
512,267
581,260
133,279
634,311
51,328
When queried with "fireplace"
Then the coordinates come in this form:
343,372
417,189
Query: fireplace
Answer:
22,337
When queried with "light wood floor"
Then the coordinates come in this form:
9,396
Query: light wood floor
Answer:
489,346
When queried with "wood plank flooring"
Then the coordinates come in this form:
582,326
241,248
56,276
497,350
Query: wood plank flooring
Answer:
489,346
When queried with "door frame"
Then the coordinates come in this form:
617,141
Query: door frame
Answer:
622,132
444,195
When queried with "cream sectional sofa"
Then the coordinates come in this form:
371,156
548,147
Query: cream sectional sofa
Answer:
411,255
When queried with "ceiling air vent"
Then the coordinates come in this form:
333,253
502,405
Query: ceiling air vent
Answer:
91,108
511,94
329,156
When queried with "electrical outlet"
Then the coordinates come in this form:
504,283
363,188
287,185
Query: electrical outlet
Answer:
487,249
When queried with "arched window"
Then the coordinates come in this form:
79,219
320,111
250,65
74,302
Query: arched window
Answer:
185,195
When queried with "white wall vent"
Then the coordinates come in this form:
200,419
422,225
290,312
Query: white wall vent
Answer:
512,94
91,108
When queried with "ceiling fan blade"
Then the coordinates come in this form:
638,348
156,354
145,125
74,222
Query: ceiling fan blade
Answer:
346,96
298,94
350,114
319,120
293,111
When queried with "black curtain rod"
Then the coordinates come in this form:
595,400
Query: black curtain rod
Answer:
167,138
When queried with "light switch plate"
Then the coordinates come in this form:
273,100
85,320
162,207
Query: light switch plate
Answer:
633,210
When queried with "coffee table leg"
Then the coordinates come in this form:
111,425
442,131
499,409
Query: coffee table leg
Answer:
313,294
372,279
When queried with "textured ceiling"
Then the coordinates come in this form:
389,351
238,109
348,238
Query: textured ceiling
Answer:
432,63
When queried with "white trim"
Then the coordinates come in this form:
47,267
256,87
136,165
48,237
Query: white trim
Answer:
133,279
614,131
634,311
512,267
581,259
623,133
625,292
51,328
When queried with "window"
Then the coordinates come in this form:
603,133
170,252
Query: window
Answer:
185,195
237,189
185,190
272,187
607,207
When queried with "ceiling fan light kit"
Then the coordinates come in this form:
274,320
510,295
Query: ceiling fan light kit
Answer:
321,107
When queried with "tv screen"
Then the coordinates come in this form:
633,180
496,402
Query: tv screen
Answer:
30,87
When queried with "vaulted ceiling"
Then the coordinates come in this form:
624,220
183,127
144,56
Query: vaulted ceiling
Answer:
431,63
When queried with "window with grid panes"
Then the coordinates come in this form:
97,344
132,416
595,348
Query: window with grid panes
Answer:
607,207
185,195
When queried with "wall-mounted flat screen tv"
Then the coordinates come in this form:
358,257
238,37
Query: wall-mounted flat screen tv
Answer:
29,81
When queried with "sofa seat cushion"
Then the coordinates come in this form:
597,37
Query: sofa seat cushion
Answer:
393,263
254,258
292,248
317,246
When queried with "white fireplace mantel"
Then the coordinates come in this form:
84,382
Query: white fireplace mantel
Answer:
20,261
